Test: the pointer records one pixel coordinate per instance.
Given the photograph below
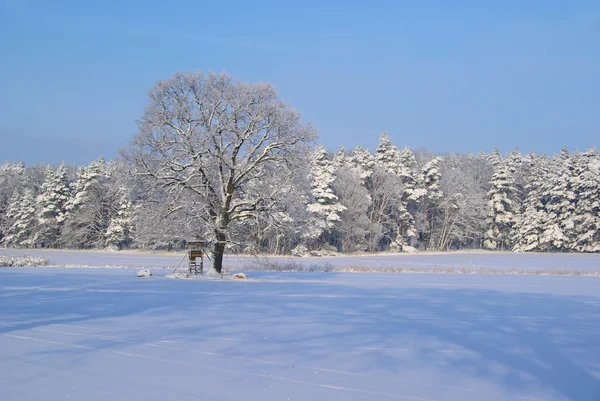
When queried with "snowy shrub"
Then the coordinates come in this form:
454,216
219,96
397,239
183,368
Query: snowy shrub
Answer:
22,261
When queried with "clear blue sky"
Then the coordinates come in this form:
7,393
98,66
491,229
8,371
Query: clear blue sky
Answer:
446,75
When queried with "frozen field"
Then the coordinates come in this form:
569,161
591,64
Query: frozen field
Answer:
102,334
458,260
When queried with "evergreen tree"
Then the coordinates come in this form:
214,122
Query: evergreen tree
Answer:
89,210
527,230
387,195
51,204
408,174
495,158
389,199
584,235
503,201
409,202
11,179
363,162
87,178
400,228
324,206
559,200
22,214
387,155
120,229
339,159
428,185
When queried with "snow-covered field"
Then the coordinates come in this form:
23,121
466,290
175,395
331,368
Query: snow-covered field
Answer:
103,334
495,261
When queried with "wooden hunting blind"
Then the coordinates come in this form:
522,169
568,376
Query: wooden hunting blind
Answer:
195,252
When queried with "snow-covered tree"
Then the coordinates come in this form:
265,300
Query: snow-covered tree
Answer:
120,229
386,187
389,199
584,235
22,214
11,180
204,137
503,202
51,204
340,160
409,176
354,225
324,206
495,158
363,162
559,200
87,178
411,194
459,220
429,179
400,227
87,212
385,190
528,223
428,187
387,156
280,222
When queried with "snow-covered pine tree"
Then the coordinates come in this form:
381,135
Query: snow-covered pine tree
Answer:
410,196
386,193
324,206
528,223
92,205
22,215
559,199
87,177
399,227
11,180
503,201
120,229
387,156
409,176
429,179
584,233
363,162
429,185
495,158
51,204
9,217
340,159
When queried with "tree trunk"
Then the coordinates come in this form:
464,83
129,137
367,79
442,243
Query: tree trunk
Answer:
218,251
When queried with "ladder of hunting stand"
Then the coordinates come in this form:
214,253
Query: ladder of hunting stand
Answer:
194,252
194,266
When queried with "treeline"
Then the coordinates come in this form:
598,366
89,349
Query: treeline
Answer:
351,201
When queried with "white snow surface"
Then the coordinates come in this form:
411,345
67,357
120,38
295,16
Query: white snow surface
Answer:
484,260
103,334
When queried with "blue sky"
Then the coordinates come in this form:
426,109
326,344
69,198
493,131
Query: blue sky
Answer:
450,76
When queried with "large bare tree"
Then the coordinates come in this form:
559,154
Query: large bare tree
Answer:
205,137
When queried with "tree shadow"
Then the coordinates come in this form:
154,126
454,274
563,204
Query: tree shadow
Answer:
510,339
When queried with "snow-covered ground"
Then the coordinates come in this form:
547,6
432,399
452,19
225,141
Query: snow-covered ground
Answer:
103,334
422,261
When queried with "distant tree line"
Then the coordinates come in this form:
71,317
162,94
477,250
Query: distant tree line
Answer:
349,201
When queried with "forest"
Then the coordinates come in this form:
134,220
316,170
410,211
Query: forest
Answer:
389,200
